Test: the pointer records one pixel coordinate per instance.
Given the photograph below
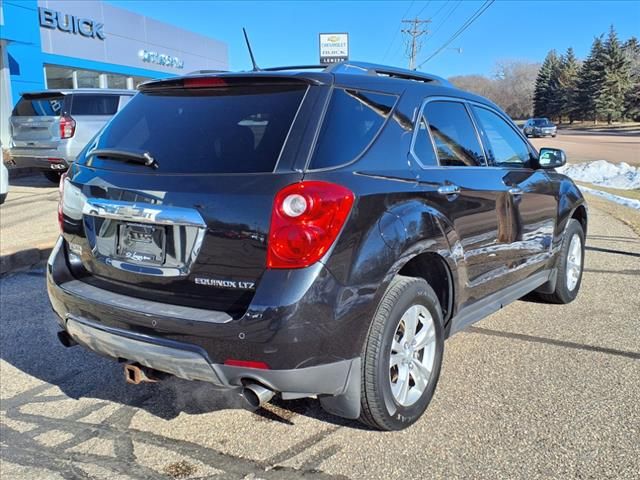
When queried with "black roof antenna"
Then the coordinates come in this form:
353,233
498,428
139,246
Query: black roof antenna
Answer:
256,68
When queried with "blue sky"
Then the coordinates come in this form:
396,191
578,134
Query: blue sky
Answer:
286,33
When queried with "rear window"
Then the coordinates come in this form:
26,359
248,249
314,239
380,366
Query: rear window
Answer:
230,130
41,106
94,104
351,123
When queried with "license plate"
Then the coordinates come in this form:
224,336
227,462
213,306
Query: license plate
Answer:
141,243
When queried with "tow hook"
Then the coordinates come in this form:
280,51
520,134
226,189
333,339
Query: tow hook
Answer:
136,374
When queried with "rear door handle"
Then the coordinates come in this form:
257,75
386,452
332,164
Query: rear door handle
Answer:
516,191
449,189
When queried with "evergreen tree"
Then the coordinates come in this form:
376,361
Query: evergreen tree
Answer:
590,82
568,80
610,99
545,85
632,96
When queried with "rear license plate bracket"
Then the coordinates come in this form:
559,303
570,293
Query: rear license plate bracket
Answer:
141,243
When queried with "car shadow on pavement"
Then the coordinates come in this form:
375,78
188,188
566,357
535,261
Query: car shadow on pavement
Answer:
36,181
28,342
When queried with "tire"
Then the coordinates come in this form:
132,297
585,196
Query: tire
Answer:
568,280
381,408
52,176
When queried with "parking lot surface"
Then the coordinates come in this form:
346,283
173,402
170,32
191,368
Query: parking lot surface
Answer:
534,391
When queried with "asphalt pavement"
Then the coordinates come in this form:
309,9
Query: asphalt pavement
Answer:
28,218
534,391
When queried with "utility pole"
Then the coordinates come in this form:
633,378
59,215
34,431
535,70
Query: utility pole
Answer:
415,31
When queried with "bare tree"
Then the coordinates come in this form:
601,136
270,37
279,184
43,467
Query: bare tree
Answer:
511,86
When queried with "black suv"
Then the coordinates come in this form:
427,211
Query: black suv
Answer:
308,233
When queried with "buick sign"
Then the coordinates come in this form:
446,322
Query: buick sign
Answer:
70,23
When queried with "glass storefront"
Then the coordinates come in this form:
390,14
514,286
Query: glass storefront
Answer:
59,77
67,77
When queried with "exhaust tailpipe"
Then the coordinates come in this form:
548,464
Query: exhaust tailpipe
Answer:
257,395
136,374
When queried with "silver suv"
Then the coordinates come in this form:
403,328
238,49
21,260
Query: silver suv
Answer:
50,128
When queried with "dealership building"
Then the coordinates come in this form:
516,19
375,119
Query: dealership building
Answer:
91,44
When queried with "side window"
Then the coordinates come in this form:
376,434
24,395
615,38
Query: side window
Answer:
504,145
422,147
453,133
352,121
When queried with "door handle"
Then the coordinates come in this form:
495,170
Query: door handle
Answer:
516,191
449,189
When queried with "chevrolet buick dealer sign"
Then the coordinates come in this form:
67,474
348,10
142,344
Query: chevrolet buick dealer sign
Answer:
334,47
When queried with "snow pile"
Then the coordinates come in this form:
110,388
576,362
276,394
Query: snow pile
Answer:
615,175
627,202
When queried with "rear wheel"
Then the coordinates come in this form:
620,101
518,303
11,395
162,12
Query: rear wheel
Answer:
570,265
402,355
52,176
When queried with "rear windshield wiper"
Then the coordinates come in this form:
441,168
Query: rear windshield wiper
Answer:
143,158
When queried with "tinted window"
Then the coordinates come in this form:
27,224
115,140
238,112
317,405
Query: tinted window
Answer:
40,106
232,130
453,134
94,104
350,124
541,122
503,144
422,147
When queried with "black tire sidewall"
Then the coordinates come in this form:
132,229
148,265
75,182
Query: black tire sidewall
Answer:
417,293
563,293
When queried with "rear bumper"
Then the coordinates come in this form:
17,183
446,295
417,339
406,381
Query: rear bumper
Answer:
191,363
309,351
42,158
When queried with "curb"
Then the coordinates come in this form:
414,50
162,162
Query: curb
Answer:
23,259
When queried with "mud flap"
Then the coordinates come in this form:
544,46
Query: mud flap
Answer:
347,404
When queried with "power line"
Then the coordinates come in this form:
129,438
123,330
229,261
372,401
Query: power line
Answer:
455,7
415,32
440,9
397,31
423,8
466,25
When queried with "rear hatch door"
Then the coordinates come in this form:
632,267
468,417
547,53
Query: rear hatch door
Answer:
192,228
35,120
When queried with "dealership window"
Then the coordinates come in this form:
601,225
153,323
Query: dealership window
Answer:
116,81
66,77
59,77
88,79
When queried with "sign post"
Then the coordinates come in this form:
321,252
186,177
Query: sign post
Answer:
334,47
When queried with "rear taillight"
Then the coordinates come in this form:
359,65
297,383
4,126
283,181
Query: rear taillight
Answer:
305,221
61,201
67,126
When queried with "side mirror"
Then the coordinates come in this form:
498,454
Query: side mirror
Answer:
551,158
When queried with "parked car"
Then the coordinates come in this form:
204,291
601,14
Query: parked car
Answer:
50,128
539,127
308,233
4,179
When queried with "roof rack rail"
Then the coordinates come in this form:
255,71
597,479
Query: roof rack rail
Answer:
386,70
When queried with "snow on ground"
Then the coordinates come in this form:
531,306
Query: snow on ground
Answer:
615,175
627,202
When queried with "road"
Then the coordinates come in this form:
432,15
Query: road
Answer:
589,146
534,391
